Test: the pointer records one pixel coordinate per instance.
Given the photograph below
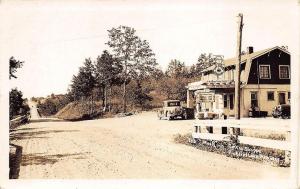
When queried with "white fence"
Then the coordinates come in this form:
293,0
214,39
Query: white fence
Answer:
219,130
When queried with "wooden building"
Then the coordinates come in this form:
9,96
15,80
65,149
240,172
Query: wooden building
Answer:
265,83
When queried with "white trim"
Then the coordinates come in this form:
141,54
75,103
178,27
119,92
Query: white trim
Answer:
267,51
289,71
270,77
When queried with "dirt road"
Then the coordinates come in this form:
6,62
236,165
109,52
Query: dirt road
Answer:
139,146
33,110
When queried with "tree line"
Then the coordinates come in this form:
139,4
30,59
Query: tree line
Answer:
125,75
128,71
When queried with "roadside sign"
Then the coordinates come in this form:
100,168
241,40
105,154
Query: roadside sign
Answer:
206,97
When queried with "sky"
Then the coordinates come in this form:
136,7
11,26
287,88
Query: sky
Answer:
54,37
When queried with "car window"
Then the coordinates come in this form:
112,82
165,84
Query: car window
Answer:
170,104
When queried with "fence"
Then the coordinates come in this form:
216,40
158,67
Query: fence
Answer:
18,121
224,137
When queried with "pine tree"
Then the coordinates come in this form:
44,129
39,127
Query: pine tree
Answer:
84,82
107,70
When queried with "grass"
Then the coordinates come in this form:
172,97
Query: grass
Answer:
273,135
264,152
182,139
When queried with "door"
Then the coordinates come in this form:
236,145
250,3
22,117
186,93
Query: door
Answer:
281,97
254,102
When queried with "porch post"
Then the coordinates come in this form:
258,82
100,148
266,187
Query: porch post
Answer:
189,100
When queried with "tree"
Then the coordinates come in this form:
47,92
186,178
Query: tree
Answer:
107,70
16,103
176,69
134,54
173,88
84,82
207,60
13,66
141,95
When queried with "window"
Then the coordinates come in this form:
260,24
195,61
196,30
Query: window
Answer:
270,95
228,101
254,99
231,101
264,72
225,101
284,72
289,97
170,104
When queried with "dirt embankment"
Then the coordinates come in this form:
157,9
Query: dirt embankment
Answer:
76,111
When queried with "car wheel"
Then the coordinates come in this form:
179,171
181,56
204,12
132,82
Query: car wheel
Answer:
185,116
169,117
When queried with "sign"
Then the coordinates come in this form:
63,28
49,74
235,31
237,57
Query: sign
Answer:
219,65
206,97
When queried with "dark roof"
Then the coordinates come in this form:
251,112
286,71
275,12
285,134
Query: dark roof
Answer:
232,61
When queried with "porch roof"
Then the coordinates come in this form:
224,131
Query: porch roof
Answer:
213,84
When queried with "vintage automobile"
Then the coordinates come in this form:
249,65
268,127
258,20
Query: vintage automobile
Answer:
256,112
283,111
173,109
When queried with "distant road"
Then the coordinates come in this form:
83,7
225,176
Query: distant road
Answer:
33,110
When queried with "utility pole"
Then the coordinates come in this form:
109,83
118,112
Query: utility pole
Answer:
237,104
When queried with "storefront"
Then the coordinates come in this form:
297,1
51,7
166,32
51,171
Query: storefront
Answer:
265,83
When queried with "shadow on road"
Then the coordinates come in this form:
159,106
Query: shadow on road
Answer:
23,129
46,120
15,156
16,135
42,159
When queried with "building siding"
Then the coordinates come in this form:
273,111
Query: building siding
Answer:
274,59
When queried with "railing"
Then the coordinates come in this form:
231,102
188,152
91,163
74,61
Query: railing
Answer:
218,131
18,121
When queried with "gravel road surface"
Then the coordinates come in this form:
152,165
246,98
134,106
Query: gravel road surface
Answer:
138,146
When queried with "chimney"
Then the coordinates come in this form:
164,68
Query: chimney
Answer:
249,50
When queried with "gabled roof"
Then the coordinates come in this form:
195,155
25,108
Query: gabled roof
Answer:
247,59
232,61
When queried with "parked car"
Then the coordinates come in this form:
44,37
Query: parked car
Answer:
256,112
173,109
282,111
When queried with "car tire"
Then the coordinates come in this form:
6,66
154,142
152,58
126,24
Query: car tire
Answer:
185,116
